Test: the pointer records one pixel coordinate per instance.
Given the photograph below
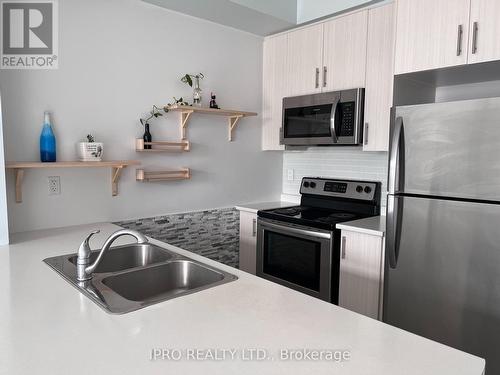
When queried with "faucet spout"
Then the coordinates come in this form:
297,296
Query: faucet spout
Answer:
85,269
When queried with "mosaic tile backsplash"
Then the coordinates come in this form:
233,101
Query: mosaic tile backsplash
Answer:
211,233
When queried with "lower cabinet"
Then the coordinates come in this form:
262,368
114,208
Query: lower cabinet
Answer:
361,273
248,241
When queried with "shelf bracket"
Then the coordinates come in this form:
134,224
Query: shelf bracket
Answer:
184,121
115,177
19,185
232,122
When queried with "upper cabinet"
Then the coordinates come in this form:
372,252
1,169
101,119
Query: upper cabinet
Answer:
431,34
434,34
484,43
304,58
379,78
344,52
275,87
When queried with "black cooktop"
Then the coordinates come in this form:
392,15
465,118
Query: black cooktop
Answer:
311,216
326,202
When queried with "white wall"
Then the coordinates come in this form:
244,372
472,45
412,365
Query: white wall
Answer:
117,58
335,162
4,224
308,10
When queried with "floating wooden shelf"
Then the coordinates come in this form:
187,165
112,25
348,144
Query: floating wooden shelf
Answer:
186,111
116,170
153,176
161,146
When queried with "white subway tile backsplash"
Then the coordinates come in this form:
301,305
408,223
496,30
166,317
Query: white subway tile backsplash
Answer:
334,162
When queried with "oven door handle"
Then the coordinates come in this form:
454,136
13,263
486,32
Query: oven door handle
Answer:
290,229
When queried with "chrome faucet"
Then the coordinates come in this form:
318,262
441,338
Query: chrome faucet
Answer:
84,269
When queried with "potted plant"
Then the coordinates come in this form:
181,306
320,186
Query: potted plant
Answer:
90,150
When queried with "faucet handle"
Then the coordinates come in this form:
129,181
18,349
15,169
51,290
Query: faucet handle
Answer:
84,249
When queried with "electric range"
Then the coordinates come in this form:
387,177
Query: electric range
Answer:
299,246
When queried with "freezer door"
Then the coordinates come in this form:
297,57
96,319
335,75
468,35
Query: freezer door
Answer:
447,149
442,273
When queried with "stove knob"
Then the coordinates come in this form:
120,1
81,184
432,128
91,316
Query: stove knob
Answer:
306,184
313,184
359,189
368,189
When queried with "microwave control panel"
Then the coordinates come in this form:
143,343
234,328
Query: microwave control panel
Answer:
347,119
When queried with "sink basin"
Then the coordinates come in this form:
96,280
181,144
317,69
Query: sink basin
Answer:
163,281
128,256
134,276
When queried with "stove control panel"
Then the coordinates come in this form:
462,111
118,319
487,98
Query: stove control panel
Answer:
361,190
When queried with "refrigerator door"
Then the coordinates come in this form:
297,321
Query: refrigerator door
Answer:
447,149
442,274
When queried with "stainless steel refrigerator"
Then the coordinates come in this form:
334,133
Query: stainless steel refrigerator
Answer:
442,274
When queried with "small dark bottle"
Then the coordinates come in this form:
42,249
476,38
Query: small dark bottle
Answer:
147,137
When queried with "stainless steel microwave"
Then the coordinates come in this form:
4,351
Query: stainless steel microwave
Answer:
329,118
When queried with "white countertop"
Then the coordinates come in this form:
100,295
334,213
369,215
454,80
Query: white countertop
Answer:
254,207
48,327
372,225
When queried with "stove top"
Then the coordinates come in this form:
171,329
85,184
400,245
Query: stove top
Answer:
327,202
311,216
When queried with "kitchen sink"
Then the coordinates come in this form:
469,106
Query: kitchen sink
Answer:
163,281
134,276
128,256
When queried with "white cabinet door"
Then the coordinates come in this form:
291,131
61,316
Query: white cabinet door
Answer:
431,34
484,40
361,270
379,78
304,59
344,52
248,242
275,88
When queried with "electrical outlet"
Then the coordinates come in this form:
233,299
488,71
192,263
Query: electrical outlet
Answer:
54,185
290,174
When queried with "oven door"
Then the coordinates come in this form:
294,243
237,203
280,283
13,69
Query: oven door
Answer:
297,257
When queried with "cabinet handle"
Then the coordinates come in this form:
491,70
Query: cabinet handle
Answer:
317,78
459,39
254,227
343,247
365,136
474,37
324,75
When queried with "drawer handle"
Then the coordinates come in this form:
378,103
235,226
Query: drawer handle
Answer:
343,247
254,227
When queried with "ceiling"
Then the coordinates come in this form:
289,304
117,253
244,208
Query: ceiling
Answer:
260,17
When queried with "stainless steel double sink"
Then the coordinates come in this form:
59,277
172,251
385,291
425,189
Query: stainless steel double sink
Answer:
134,276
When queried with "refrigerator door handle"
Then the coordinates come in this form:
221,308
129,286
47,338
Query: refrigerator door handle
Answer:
396,155
394,208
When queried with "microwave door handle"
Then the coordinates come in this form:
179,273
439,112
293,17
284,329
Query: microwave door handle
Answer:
333,120
396,155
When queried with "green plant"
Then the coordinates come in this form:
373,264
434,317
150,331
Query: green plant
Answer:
188,78
154,113
90,138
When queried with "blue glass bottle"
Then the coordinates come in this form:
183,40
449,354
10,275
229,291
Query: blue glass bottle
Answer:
47,141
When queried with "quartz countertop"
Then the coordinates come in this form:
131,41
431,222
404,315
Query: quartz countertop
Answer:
254,207
48,327
372,225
